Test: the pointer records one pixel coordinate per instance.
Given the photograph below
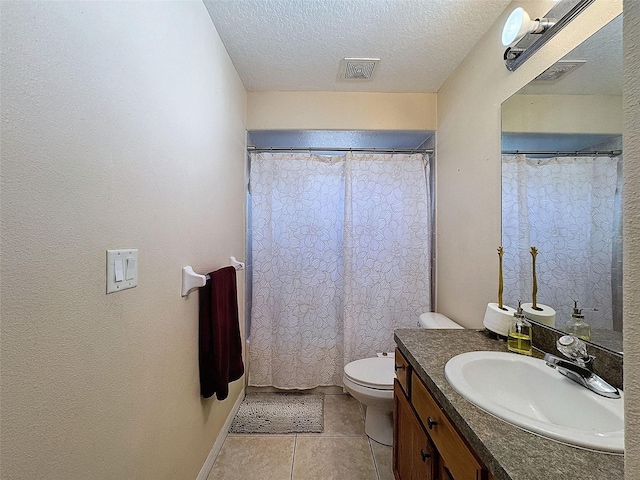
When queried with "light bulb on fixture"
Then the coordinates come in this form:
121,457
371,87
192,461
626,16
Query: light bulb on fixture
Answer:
519,24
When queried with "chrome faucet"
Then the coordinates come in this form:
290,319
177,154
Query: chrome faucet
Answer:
579,366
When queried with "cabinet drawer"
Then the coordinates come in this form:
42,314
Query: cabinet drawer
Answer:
454,451
402,371
414,457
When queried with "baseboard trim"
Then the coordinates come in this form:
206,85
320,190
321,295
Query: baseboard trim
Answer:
215,450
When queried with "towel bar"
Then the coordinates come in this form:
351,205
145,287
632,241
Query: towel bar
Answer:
192,280
236,264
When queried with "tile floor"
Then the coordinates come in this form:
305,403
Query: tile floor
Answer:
341,452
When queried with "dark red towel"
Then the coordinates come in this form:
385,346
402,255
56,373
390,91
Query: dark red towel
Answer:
220,347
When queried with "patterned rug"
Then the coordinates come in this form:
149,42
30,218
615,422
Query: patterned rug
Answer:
279,413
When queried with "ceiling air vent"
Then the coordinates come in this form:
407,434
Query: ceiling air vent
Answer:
357,68
558,70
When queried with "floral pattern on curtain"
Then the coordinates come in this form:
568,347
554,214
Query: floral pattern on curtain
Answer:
341,257
386,250
564,206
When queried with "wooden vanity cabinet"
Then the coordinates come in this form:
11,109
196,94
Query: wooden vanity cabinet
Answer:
414,457
426,445
403,371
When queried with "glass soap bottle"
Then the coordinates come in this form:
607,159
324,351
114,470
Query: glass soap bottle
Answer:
576,325
519,338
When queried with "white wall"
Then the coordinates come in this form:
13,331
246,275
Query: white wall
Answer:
562,114
468,190
631,280
341,111
123,125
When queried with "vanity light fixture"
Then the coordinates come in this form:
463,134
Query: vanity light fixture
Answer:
519,24
524,36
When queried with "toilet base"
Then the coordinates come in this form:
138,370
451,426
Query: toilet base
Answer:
378,425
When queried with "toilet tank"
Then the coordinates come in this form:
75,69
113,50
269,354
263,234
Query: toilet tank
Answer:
436,320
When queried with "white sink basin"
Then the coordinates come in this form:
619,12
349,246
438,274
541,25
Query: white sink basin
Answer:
525,392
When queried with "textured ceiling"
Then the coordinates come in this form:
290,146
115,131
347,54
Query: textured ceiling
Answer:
298,44
601,75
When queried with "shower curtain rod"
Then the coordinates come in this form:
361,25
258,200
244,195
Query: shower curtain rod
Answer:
595,153
339,149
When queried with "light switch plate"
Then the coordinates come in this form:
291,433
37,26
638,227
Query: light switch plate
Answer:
130,274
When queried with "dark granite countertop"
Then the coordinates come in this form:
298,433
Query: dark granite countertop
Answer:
508,452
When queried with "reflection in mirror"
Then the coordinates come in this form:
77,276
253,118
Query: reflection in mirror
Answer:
539,31
561,186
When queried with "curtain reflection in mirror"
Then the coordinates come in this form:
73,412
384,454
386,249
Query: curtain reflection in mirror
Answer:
569,207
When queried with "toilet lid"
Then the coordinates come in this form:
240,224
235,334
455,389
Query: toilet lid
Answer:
375,372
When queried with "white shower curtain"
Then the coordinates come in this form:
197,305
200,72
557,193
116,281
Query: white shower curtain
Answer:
341,257
564,206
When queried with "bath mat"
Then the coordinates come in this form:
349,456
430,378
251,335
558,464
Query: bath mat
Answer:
279,413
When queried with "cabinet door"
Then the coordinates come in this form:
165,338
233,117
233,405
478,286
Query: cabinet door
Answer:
444,473
403,371
413,453
461,463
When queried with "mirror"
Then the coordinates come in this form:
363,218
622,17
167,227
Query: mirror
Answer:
562,187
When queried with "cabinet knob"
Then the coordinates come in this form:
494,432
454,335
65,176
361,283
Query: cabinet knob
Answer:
424,455
398,367
431,423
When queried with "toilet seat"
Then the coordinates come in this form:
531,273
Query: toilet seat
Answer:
377,373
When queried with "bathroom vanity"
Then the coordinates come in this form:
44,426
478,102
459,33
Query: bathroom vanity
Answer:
426,444
440,435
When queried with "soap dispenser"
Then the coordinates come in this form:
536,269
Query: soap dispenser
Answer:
576,326
519,338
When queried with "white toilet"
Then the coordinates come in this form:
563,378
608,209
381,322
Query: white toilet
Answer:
370,381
